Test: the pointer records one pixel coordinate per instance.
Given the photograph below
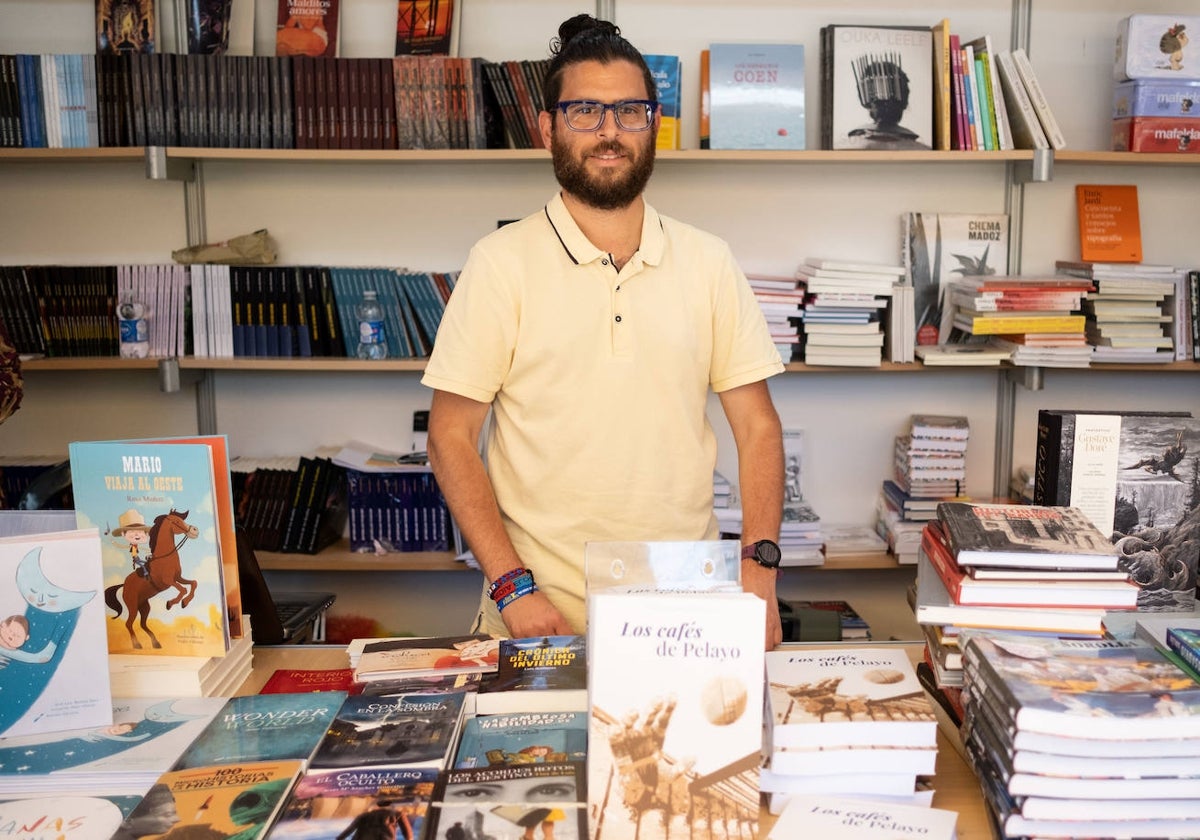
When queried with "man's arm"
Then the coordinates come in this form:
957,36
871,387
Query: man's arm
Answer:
759,437
454,426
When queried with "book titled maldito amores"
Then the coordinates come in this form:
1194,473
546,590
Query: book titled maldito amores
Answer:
675,684
756,96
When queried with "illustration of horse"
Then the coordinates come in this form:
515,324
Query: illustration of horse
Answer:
165,573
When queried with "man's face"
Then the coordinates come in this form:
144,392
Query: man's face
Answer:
607,168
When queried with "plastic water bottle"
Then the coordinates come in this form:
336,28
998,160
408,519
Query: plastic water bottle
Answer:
371,343
133,329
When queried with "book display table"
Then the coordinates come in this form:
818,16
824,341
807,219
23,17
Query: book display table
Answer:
955,785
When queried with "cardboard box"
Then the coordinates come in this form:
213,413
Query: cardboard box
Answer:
1157,134
1156,98
1156,47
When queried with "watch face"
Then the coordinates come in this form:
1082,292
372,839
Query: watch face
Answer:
767,553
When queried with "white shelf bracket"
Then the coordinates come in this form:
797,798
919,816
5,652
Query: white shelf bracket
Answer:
159,167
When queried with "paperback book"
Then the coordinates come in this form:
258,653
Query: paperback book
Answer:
422,657
292,680
855,819
94,817
537,674
522,738
358,801
667,73
512,802
417,730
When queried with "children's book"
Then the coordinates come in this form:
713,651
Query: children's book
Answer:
327,804
264,727
53,658
85,817
155,506
537,674
522,738
417,730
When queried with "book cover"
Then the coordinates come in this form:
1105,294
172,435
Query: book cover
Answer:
520,801
940,247
1037,96
424,27
756,96
806,815
1024,535
155,504
675,685
290,680
1102,689
53,657
845,698
476,653
537,674
667,73
84,817
307,28
125,26
226,800
522,738
518,821
367,802
1026,128
264,727
1185,641
1109,227
417,730
880,85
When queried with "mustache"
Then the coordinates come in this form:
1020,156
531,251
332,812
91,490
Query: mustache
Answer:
609,146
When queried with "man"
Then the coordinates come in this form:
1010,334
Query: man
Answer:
593,331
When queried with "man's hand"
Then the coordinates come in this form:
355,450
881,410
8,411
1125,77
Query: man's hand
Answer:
761,582
534,615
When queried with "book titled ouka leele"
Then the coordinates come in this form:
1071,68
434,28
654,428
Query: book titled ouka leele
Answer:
675,719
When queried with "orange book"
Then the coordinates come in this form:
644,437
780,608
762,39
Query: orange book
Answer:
704,100
1109,227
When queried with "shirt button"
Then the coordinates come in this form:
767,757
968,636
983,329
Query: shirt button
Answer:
618,319
618,288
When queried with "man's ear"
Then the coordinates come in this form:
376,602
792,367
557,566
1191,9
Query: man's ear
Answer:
546,126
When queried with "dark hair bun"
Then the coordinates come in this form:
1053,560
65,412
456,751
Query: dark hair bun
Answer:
583,25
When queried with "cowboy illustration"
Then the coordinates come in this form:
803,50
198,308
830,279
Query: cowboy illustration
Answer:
134,531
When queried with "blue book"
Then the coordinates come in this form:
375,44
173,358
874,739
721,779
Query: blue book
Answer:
404,730
666,70
756,96
327,804
264,727
522,738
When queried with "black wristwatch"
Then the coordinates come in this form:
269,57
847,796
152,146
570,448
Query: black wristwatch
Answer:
764,552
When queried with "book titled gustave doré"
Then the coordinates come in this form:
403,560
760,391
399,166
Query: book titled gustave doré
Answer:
675,684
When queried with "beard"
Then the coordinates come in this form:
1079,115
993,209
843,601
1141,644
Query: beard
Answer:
610,189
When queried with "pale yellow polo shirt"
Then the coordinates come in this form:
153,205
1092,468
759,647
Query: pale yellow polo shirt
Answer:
598,382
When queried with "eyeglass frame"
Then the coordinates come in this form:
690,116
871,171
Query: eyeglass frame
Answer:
650,105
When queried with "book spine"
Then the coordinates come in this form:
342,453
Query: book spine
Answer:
1037,96
1185,646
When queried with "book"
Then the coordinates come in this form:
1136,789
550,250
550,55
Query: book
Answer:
986,56
410,730
675,683
129,27
307,29
1101,689
756,96
1037,96
390,658
424,28
943,89
519,738
938,247
1026,127
538,674
1043,536
667,73
52,649
155,504
264,727
332,803
292,680
511,802
807,815
1109,226
136,675
1185,641
225,799
93,817
852,697
878,84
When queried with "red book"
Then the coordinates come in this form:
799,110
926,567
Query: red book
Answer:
300,680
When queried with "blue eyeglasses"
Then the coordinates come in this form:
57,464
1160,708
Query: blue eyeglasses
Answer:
588,115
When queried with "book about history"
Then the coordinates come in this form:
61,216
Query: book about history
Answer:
856,819
307,28
155,505
522,738
219,800
410,730
289,680
264,727
537,674
877,87
1036,536
125,26
1103,689
425,28
53,656
675,684
327,804
940,247
756,96
1110,228
1131,474
476,653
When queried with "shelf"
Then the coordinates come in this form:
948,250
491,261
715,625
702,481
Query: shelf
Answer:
340,364
1126,158
339,558
125,154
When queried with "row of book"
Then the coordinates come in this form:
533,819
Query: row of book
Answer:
218,310
298,507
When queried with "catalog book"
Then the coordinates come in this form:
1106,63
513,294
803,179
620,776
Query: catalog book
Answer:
53,657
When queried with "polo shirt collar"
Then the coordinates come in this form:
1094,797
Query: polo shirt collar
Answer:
581,250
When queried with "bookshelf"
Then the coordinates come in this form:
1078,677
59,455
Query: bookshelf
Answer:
424,209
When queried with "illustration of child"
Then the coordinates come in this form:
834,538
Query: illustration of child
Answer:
14,632
133,530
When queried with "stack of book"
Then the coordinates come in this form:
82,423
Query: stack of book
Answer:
800,535
850,721
293,505
1131,315
538,674
781,301
1082,738
1026,568
1037,320
442,657
843,310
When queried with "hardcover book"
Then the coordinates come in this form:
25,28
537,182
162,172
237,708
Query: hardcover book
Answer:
424,28
538,674
155,504
878,87
522,738
224,800
1036,536
264,727
409,730
327,804
53,657
756,96
289,680
675,686
1109,226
